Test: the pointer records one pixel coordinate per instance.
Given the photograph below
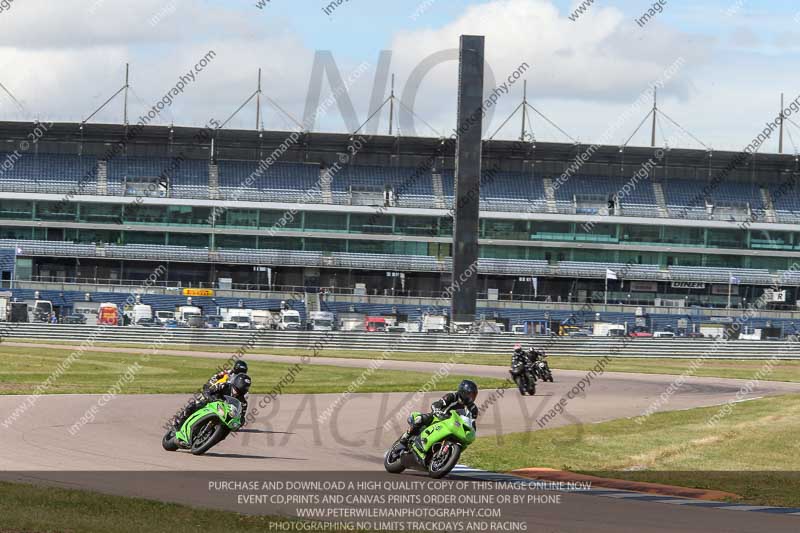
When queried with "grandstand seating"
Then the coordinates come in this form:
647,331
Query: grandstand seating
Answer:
686,198
365,185
280,182
48,173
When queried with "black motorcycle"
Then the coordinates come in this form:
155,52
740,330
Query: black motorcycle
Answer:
525,377
542,370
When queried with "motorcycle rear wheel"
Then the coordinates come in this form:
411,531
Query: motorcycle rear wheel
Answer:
393,467
168,442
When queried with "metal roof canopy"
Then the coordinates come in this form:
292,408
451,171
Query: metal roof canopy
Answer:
323,148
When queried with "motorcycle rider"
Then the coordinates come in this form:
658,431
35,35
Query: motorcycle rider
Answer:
239,367
238,387
519,356
534,356
521,363
463,398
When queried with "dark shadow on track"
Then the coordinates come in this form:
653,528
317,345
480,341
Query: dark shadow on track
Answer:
246,456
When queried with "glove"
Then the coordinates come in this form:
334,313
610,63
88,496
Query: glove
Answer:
438,413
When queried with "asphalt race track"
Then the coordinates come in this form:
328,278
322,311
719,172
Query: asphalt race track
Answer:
293,434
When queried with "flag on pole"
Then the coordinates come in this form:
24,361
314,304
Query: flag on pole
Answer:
610,274
734,280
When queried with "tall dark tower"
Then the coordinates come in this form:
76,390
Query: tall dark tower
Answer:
468,179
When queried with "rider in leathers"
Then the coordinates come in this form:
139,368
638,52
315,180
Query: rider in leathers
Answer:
237,387
463,398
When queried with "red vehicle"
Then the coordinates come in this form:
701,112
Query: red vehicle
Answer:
108,315
375,323
640,332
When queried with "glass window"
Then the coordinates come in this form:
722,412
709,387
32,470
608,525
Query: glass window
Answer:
235,242
15,233
552,231
101,213
56,211
370,223
142,213
145,237
326,221
505,229
16,209
325,245
281,220
280,243
643,234
192,240
427,226
771,240
726,238
724,261
243,218
93,236
770,263
691,236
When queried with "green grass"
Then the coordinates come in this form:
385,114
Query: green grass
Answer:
718,368
753,452
22,369
36,509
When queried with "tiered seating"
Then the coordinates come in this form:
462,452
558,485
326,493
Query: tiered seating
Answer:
49,173
786,202
411,187
638,200
503,191
687,198
185,178
281,182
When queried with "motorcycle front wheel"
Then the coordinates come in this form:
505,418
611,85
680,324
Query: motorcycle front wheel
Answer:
444,459
210,432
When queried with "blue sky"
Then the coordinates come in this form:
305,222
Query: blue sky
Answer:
63,59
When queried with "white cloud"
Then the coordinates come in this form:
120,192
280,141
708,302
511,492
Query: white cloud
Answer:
583,74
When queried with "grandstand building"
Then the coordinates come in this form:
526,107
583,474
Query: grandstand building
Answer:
276,209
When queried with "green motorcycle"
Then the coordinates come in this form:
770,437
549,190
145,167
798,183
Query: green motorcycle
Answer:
437,448
206,427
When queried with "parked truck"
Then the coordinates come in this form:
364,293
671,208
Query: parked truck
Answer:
243,318
4,307
321,321
108,314
434,323
352,322
262,319
139,312
375,323
288,320
607,329
185,313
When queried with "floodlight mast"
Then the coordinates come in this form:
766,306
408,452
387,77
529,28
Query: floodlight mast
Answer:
124,89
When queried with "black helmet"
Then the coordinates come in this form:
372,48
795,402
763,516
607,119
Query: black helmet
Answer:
239,367
240,384
467,391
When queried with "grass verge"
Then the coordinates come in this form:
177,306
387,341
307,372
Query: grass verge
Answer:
32,508
753,451
23,369
718,368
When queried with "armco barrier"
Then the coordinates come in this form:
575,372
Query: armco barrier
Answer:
262,340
